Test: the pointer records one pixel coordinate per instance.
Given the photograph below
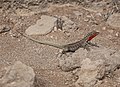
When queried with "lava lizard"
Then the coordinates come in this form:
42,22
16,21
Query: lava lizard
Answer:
71,47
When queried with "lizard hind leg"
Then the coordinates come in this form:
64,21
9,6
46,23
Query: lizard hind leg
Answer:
86,46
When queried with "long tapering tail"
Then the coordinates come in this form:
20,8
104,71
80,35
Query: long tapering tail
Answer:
41,42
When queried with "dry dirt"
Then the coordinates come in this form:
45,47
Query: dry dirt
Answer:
42,58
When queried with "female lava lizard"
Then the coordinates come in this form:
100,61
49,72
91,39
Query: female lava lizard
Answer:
72,47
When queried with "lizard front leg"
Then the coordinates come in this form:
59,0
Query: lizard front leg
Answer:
88,44
60,53
63,52
92,44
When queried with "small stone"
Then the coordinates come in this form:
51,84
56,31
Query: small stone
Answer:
55,29
51,36
99,14
117,34
104,28
86,20
19,40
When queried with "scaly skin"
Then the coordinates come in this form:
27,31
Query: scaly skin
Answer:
72,47
83,43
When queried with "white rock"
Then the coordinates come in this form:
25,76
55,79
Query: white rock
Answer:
92,64
103,28
87,74
18,75
117,34
68,64
42,26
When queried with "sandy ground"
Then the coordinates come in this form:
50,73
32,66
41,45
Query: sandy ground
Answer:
43,59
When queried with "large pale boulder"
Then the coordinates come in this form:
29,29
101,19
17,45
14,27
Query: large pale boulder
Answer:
42,26
18,75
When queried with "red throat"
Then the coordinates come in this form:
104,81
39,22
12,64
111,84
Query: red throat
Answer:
92,36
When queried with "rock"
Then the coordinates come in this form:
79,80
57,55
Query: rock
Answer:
72,62
114,20
42,26
87,74
117,34
103,28
94,65
18,75
68,64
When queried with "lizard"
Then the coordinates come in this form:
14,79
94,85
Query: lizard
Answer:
70,47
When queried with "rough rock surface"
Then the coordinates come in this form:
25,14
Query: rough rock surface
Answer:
87,74
18,75
68,64
42,26
114,20
94,65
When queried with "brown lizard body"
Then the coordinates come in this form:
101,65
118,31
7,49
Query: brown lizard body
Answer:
72,47
83,43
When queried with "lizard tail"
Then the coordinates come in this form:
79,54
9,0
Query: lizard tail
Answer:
41,42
